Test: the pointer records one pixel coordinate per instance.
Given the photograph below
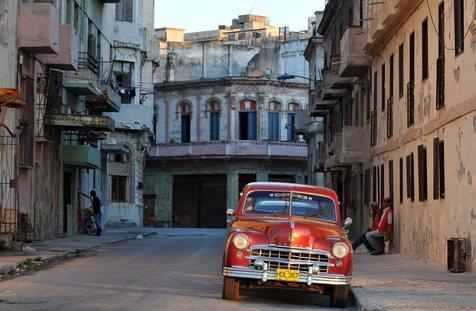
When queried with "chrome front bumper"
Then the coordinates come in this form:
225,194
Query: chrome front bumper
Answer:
270,275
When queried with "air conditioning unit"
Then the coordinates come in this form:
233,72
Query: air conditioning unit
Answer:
302,122
457,255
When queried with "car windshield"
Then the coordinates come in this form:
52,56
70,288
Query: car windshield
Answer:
286,203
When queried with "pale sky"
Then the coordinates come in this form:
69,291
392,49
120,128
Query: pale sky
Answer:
198,15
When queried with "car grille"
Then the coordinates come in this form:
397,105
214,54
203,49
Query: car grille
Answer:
288,258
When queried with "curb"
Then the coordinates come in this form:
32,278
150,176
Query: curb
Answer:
360,303
8,271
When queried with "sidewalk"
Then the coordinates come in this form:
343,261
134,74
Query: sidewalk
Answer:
62,248
394,282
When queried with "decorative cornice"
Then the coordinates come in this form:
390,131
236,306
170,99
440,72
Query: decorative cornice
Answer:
228,81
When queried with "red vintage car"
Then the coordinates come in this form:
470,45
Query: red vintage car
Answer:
288,235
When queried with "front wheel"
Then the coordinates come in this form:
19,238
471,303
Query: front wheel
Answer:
231,289
339,296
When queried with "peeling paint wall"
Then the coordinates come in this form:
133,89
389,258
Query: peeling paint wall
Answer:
422,228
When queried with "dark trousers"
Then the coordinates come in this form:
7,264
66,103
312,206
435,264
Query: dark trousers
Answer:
98,220
362,239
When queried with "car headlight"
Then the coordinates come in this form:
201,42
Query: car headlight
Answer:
240,241
340,250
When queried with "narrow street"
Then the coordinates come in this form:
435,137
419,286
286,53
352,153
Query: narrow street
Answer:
173,270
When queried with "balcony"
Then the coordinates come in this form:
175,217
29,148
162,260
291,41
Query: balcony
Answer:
106,101
225,149
353,61
80,122
387,16
333,80
39,28
322,154
321,108
67,57
334,150
83,156
352,149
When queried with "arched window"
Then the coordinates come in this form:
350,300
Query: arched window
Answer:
292,108
185,111
273,121
213,107
248,120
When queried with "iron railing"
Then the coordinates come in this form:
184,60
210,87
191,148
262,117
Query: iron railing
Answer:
88,61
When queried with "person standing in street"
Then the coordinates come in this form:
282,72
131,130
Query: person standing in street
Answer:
96,206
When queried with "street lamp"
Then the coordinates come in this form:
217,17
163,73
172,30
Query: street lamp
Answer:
285,77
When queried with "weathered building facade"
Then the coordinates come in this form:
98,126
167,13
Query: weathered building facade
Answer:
338,100
217,135
135,62
59,85
413,115
223,120
423,121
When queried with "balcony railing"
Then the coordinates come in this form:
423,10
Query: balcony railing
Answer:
352,148
88,61
260,149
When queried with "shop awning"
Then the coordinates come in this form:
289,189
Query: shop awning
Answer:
10,98
77,122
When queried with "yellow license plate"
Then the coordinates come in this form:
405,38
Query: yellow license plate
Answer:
287,275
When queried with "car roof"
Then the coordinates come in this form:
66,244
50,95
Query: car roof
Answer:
290,187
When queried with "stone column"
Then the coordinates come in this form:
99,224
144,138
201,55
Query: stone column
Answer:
198,117
232,123
167,118
260,115
232,188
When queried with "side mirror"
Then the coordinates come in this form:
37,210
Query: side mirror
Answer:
230,212
347,222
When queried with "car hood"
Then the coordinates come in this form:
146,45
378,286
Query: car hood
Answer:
296,232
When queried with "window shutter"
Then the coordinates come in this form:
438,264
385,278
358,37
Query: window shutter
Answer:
401,180
252,126
422,171
408,177
436,167
412,175
127,11
441,159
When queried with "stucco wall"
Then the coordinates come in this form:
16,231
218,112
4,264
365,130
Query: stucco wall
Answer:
422,228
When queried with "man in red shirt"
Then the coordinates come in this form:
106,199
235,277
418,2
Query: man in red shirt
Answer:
384,228
375,211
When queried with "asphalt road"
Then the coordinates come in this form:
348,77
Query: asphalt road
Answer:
173,270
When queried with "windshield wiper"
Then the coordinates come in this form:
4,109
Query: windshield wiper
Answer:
317,213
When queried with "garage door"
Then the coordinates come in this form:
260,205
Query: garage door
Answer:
199,201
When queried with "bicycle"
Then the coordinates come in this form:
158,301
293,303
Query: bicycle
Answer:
89,223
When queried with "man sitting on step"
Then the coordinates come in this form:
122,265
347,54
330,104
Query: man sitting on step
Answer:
384,227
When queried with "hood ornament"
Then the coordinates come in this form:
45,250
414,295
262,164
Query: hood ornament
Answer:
291,238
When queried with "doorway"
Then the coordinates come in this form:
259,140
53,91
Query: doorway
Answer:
199,201
67,198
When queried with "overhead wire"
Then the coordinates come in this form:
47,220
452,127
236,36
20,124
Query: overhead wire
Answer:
439,35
